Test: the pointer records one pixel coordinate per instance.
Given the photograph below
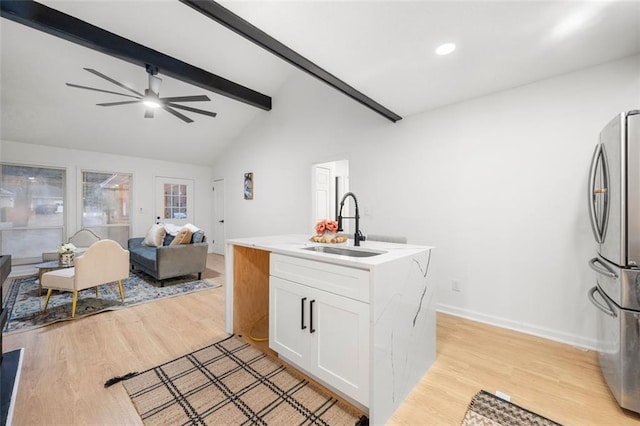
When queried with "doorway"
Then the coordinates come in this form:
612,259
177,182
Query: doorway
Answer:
330,181
218,217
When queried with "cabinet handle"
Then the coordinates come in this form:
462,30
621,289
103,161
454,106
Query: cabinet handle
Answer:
312,330
302,326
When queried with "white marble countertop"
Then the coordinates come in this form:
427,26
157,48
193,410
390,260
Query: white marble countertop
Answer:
293,245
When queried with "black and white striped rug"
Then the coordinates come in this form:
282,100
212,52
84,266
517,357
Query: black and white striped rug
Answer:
486,409
231,383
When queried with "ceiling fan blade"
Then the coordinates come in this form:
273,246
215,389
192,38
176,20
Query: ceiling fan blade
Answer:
110,80
148,112
154,84
177,114
196,98
199,111
119,103
99,90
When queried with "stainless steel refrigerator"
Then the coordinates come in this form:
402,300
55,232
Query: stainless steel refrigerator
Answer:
614,207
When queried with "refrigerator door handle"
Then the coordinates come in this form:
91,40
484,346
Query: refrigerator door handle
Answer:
598,155
602,269
608,309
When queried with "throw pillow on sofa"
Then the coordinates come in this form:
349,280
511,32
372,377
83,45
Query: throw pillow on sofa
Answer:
155,236
198,236
183,237
167,239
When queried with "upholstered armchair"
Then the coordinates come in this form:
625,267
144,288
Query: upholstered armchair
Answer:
84,238
104,262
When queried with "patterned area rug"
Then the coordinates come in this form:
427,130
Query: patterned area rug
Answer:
487,409
231,383
24,304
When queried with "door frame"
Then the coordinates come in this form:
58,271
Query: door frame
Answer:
339,185
219,229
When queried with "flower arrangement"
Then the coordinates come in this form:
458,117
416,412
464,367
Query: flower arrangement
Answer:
326,226
66,248
66,253
326,232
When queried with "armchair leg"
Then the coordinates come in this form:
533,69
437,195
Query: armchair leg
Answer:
96,291
46,302
121,290
73,304
199,276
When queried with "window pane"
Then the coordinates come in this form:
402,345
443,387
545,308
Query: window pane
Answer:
175,201
27,245
116,233
106,204
31,211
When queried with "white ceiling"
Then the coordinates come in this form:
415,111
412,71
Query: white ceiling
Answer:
382,48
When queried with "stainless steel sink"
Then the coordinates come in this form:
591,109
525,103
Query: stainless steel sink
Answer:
343,251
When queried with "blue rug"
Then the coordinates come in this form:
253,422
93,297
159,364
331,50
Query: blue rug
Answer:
24,304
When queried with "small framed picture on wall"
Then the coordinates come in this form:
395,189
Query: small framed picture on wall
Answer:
248,186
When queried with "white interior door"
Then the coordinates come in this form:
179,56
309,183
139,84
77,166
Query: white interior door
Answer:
322,193
174,201
218,217
328,181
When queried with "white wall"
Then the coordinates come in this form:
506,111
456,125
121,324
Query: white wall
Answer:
143,170
497,184
309,124
504,177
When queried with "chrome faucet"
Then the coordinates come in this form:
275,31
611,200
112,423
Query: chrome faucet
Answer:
357,237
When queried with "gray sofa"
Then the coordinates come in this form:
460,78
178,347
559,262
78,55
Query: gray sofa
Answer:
168,261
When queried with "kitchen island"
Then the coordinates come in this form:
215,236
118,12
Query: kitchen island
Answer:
360,321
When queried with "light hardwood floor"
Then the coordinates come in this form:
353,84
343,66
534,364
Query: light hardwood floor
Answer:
66,365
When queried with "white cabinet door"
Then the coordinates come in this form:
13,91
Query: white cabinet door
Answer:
339,352
288,320
324,334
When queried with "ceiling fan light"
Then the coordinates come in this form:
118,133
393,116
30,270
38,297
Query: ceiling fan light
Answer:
151,103
151,99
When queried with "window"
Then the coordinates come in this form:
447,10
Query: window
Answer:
31,211
175,201
106,205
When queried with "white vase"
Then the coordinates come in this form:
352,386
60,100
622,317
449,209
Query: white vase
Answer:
66,258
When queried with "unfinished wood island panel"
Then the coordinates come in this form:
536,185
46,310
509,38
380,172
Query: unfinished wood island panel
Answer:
250,288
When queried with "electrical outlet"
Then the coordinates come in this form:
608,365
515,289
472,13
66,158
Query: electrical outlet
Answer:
455,285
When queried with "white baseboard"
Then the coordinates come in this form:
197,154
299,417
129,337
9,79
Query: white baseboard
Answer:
567,338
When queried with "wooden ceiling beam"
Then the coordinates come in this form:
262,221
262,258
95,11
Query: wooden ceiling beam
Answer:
235,23
56,23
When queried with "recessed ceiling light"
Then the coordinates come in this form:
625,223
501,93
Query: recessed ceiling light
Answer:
445,49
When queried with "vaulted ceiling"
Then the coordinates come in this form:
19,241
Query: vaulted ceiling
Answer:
383,49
